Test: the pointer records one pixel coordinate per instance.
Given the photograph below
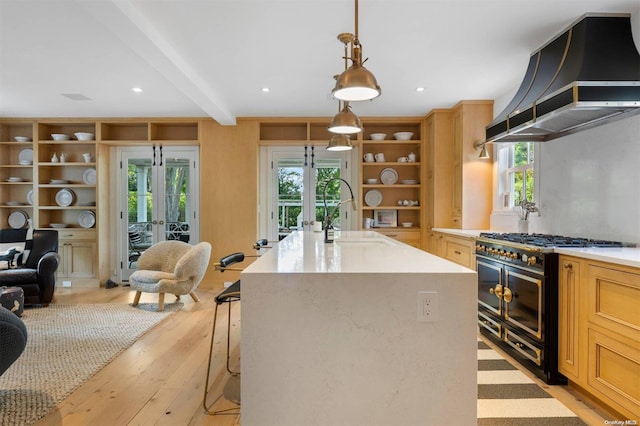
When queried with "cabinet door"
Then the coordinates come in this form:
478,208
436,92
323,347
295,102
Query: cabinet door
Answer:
456,207
435,243
568,320
77,259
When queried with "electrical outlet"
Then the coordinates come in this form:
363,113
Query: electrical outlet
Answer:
428,306
227,284
66,283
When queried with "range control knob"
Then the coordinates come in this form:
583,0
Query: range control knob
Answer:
514,255
532,260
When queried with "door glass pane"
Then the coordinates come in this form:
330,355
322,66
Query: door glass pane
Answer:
290,195
177,199
139,207
326,169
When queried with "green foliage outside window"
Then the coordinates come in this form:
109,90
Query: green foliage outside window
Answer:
290,194
522,172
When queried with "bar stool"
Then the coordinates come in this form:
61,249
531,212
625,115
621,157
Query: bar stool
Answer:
228,295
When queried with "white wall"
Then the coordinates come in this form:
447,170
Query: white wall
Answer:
589,185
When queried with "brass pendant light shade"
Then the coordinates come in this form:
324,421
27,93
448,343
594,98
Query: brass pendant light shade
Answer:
339,143
356,83
345,122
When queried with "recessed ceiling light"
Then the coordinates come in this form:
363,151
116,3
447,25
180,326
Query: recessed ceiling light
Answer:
137,89
265,89
419,89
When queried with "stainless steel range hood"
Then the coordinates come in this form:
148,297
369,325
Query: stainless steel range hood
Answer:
586,76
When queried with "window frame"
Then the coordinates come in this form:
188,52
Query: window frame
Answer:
503,154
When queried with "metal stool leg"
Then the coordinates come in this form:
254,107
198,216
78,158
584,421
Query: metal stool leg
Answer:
233,373
207,408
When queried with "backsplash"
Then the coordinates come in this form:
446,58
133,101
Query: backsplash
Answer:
589,185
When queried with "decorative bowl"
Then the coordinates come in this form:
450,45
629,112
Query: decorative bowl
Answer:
407,224
85,136
372,181
403,136
22,139
378,136
60,137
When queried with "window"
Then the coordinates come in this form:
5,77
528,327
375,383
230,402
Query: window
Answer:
517,172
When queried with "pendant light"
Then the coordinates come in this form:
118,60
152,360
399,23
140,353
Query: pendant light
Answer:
345,122
356,83
339,143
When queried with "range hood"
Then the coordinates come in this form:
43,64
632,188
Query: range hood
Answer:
586,76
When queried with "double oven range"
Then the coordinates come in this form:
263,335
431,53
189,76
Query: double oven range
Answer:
518,296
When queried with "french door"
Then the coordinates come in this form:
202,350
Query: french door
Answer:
158,193
295,183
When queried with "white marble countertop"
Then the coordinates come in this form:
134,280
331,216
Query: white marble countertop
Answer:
469,233
628,256
351,252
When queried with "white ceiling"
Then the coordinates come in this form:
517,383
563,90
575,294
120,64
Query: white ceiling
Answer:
213,57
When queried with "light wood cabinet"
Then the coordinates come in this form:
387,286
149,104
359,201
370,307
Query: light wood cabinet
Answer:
435,242
569,317
599,331
459,184
403,194
458,249
77,250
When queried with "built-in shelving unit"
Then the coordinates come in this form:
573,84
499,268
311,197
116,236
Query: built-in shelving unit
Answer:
404,198
33,188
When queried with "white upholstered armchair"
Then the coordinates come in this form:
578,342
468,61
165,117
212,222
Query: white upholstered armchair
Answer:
170,267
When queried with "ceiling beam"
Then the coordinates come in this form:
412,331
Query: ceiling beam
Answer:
124,19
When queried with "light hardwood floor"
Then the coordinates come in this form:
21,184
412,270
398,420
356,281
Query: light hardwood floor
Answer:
159,380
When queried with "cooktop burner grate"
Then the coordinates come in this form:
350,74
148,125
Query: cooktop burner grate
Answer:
545,240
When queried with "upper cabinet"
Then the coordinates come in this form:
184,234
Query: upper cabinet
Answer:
459,184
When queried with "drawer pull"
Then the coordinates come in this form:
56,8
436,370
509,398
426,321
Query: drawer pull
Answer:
457,252
568,266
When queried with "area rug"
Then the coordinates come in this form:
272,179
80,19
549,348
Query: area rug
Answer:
508,397
66,345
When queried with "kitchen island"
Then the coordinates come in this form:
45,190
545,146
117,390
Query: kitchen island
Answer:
331,334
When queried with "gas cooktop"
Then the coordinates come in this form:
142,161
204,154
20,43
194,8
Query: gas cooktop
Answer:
545,240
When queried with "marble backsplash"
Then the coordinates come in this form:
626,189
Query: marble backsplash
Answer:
589,185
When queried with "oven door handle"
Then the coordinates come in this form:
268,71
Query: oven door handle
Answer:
507,295
497,291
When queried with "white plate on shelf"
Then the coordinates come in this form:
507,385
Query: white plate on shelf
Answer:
26,155
58,225
409,181
388,176
65,197
373,198
87,219
18,219
59,181
14,203
30,197
89,176
14,179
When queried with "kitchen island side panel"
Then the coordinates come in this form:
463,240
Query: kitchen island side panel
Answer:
347,348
